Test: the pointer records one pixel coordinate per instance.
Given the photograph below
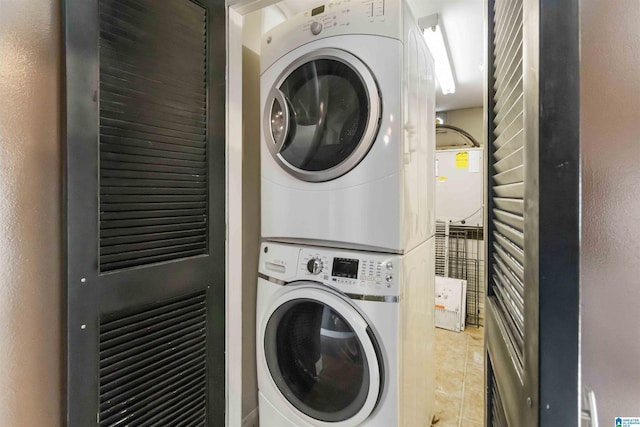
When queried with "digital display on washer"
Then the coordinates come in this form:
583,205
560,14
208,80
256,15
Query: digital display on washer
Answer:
345,267
318,10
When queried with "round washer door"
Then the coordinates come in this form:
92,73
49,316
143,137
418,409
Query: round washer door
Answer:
322,115
321,356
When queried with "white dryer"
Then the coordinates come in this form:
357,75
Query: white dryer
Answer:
348,138
345,338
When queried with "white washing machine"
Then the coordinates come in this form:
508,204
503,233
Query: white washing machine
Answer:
345,338
348,133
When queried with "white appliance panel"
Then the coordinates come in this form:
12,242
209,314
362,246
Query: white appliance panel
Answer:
460,186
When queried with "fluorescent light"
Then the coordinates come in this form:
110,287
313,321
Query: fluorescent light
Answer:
435,42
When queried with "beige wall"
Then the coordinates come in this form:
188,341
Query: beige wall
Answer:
250,224
258,23
254,25
610,269
468,119
30,214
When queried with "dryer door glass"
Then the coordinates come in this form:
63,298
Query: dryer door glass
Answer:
317,360
332,115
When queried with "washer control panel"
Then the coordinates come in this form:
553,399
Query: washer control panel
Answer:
351,271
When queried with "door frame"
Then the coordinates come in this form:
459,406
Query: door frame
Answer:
561,30
233,299
549,391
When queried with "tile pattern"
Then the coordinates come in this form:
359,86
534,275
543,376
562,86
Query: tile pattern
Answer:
459,397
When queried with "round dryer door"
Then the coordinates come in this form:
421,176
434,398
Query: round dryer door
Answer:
322,356
322,115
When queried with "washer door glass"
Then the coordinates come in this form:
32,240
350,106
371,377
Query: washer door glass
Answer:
317,360
323,115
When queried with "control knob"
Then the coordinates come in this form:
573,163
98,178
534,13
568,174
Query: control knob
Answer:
316,27
314,266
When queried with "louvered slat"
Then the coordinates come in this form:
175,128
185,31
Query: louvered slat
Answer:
502,11
510,191
509,147
513,94
507,78
172,161
515,221
506,66
123,144
508,283
514,205
502,254
511,161
511,308
152,225
509,39
153,132
515,299
509,131
164,215
510,233
497,415
508,186
512,176
510,247
153,364
514,287
507,115
513,335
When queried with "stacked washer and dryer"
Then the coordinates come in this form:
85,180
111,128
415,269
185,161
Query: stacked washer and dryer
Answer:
345,309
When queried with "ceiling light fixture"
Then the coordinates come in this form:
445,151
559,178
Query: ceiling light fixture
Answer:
432,30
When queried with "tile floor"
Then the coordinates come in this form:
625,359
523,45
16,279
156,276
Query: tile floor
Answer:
459,398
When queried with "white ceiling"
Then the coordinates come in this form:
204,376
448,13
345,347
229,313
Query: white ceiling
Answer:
463,25
462,22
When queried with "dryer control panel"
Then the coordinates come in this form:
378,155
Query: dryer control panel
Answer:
343,13
333,18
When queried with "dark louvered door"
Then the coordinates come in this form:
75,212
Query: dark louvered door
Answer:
533,213
145,186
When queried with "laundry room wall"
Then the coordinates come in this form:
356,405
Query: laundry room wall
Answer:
255,24
250,210
31,373
250,224
468,119
610,129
